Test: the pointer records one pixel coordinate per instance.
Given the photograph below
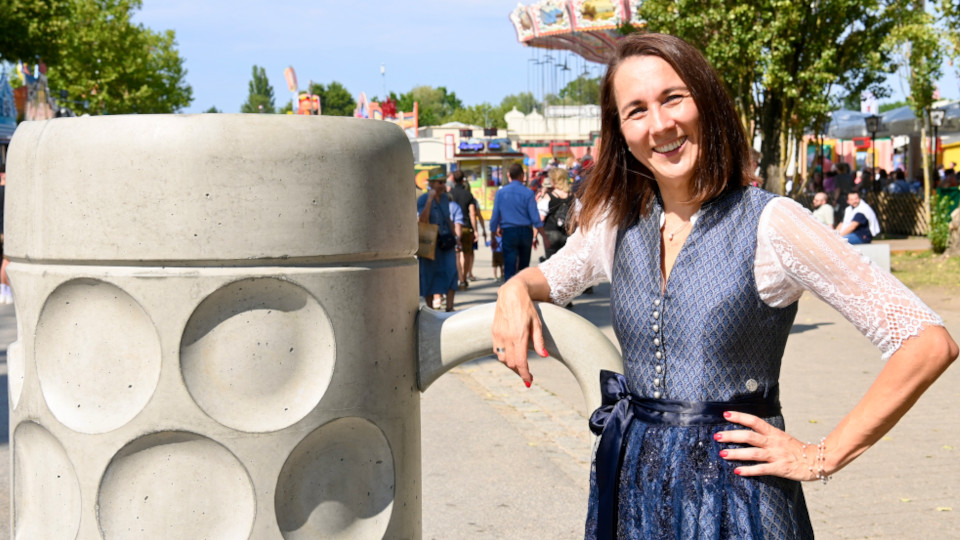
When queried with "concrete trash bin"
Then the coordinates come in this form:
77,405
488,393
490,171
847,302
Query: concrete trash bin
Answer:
218,329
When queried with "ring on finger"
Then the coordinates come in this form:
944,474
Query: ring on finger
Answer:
500,350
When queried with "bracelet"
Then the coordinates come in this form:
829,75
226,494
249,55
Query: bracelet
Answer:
818,462
821,458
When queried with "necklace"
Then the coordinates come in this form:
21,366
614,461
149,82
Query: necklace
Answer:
678,229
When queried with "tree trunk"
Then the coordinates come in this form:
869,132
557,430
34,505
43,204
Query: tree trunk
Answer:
770,121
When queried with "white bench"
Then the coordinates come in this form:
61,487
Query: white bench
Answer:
878,253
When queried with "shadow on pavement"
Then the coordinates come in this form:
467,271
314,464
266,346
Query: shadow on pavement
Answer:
4,410
801,328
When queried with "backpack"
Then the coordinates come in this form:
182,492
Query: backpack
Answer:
556,218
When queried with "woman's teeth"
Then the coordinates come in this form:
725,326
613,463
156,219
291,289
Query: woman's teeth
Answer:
671,146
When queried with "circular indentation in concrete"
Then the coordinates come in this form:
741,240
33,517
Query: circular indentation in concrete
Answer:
97,355
46,492
337,483
175,485
257,355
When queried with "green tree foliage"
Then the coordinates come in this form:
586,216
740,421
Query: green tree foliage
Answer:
785,62
484,115
260,98
108,64
921,46
33,30
939,232
213,109
435,105
524,102
583,90
884,107
335,99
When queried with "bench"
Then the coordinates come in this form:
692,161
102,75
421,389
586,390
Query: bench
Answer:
878,253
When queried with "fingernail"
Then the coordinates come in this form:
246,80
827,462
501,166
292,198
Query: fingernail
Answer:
717,436
528,383
544,353
736,471
723,453
727,414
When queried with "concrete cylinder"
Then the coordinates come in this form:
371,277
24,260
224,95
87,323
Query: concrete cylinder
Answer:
216,328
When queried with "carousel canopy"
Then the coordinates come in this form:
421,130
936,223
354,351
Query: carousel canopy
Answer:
585,27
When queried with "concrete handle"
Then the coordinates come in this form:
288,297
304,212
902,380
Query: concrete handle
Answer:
446,340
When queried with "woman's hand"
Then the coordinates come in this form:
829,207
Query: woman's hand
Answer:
515,324
777,453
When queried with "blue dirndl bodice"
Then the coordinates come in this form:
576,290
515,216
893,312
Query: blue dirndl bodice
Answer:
708,338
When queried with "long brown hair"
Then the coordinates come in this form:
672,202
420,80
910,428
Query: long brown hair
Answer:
624,187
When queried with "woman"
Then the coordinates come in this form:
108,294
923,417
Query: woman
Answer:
554,208
439,276
705,275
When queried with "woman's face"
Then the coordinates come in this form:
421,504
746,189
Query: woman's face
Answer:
658,118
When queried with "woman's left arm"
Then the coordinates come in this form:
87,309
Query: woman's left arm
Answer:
796,253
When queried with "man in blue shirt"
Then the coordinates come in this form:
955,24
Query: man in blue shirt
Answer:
515,212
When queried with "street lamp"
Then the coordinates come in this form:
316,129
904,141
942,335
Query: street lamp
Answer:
936,120
873,126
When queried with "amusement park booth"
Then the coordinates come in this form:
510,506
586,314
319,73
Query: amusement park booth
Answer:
485,164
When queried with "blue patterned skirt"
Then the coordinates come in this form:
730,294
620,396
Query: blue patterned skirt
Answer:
674,485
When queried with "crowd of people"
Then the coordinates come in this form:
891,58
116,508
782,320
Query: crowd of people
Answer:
526,211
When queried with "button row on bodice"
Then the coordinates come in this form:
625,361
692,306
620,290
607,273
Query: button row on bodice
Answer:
658,343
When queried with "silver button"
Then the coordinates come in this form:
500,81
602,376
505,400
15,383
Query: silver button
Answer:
659,355
659,369
656,328
656,341
656,302
656,314
752,385
656,381
656,395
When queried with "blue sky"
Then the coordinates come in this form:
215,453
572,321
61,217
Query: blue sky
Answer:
469,46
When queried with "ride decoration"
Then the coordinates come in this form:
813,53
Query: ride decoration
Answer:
589,28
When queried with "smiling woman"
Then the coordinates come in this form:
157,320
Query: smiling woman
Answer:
705,276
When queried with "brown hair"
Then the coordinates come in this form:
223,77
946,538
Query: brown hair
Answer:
621,184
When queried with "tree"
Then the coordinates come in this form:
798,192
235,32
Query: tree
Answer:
583,90
335,99
213,110
484,115
33,30
260,98
435,105
524,102
916,39
785,62
108,64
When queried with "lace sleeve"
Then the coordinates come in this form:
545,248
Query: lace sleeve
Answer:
585,260
796,253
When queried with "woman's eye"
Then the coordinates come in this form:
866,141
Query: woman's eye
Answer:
636,113
673,99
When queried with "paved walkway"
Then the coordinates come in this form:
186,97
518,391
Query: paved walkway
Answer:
503,461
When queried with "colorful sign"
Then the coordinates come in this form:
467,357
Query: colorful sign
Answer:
551,17
596,14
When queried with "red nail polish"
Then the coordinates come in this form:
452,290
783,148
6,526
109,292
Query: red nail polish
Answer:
727,414
544,353
528,383
723,453
736,472
717,436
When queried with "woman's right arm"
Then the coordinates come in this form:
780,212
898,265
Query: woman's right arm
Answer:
585,260
516,321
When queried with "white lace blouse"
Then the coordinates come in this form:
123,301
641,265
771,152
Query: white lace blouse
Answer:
795,252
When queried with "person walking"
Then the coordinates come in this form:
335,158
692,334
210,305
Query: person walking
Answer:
471,218
515,213
438,276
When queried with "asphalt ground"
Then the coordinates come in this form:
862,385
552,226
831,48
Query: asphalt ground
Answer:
504,461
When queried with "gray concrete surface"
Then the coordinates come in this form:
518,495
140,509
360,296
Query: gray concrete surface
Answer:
503,461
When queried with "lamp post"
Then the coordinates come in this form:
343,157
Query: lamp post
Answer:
873,126
936,120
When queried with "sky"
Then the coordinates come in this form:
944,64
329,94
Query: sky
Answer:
468,46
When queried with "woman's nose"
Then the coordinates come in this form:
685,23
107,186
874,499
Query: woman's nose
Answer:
660,119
